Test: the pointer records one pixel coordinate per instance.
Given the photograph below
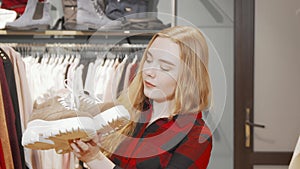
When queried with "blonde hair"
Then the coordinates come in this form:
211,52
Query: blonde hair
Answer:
193,90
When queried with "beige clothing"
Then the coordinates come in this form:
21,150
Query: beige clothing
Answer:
23,92
4,136
24,97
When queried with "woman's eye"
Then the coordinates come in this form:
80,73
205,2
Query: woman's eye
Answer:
165,67
148,59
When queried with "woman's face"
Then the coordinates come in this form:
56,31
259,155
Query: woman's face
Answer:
161,69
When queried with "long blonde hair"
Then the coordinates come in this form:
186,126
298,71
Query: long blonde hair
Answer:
193,90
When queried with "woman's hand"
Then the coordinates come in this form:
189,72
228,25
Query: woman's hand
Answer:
89,152
86,151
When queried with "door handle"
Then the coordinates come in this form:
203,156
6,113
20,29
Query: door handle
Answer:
248,125
254,124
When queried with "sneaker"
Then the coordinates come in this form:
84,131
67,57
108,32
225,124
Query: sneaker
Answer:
52,126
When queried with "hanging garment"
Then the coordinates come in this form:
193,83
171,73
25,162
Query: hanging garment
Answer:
12,118
34,71
2,161
4,135
52,70
10,78
128,71
121,82
109,90
133,72
24,96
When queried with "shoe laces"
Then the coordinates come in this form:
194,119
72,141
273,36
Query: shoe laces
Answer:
98,9
89,98
72,100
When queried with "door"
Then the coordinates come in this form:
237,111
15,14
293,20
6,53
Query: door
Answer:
267,83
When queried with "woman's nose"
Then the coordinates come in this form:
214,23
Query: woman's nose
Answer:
150,71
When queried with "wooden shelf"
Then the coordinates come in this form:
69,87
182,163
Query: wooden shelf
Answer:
80,33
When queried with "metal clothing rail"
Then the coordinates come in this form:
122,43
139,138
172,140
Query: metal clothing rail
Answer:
69,48
74,45
87,52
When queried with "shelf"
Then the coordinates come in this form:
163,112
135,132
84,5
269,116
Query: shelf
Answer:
80,33
72,36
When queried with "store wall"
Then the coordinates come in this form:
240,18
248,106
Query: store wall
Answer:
215,20
276,77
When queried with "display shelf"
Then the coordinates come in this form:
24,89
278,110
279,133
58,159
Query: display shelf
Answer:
73,36
80,33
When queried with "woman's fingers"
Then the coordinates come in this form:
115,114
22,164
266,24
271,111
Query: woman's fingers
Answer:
75,148
97,139
92,143
83,146
85,151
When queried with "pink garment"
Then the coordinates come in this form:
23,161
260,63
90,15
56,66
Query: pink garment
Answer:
66,160
132,72
127,74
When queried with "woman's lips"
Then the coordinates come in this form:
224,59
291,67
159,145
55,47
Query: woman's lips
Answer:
148,84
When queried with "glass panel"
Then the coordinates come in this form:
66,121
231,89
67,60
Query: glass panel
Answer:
206,16
277,80
201,13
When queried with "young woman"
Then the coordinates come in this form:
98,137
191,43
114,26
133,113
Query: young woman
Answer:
165,100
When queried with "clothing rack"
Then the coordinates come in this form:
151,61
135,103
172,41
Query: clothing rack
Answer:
86,55
77,46
87,51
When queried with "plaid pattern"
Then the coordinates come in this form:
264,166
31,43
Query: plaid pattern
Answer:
181,142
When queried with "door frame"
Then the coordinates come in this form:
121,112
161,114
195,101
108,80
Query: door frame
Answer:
245,158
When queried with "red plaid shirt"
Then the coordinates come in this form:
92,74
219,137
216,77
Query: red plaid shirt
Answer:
181,142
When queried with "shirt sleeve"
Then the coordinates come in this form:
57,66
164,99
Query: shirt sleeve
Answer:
194,150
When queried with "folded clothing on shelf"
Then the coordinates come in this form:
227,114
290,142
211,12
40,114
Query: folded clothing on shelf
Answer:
6,16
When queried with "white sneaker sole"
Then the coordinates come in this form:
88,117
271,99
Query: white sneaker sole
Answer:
104,118
43,135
